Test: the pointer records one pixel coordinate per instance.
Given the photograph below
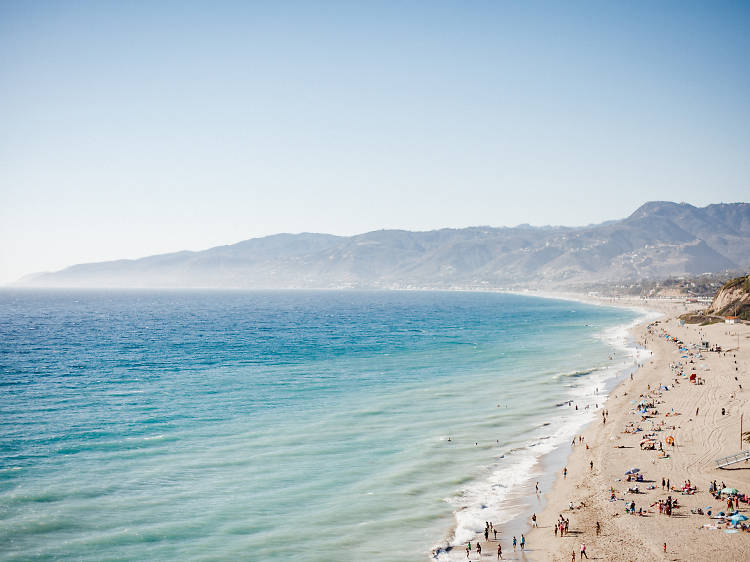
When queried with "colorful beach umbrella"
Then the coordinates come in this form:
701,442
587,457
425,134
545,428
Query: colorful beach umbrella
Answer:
730,491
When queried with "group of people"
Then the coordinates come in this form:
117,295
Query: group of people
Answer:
666,506
562,526
490,528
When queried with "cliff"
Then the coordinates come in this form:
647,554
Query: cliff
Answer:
733,299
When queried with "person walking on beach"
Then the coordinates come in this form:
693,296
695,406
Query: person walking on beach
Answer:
583,551
591,464
514,544
499,552
565,472
479,550
598,529
495,531
523,542
468,549
533,520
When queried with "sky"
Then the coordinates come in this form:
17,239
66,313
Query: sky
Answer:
134,128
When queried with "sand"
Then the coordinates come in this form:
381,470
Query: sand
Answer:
699,440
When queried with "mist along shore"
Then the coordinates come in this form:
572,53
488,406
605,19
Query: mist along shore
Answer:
659,405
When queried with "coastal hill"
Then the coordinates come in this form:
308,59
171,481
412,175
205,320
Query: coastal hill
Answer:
733,299
660,239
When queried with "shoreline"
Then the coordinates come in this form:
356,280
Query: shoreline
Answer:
523,500
591,486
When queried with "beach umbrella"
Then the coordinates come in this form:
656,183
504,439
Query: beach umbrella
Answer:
730,491
737,518
633,471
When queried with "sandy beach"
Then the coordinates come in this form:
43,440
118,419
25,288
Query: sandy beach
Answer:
690,413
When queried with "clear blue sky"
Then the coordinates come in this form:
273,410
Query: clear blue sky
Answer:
133,128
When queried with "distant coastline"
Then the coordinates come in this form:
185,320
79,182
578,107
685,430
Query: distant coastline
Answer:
658,240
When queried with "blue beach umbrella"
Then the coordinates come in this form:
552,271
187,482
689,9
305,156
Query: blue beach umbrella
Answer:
633,471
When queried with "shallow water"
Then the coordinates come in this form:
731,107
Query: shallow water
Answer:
295,425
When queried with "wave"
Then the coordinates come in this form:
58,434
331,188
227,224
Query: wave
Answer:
491,498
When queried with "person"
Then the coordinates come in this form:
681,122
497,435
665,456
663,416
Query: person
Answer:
468,549
495,531
499,552
486,533
663,482
479,550
523,542
514,544
598,529
583,551
565,472
573,556
555,527
537,487
591,464
665,548
533,520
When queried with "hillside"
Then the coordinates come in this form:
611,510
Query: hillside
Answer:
659,240
733,299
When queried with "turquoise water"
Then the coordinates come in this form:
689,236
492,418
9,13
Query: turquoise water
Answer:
282,425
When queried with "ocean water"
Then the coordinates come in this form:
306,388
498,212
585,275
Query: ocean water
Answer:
284,425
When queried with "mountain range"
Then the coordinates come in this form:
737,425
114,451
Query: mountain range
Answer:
658,240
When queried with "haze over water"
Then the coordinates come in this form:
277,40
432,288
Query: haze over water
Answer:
280,425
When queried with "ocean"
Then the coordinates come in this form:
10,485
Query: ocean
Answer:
298,425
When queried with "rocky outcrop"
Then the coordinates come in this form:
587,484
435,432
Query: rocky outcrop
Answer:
733,299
